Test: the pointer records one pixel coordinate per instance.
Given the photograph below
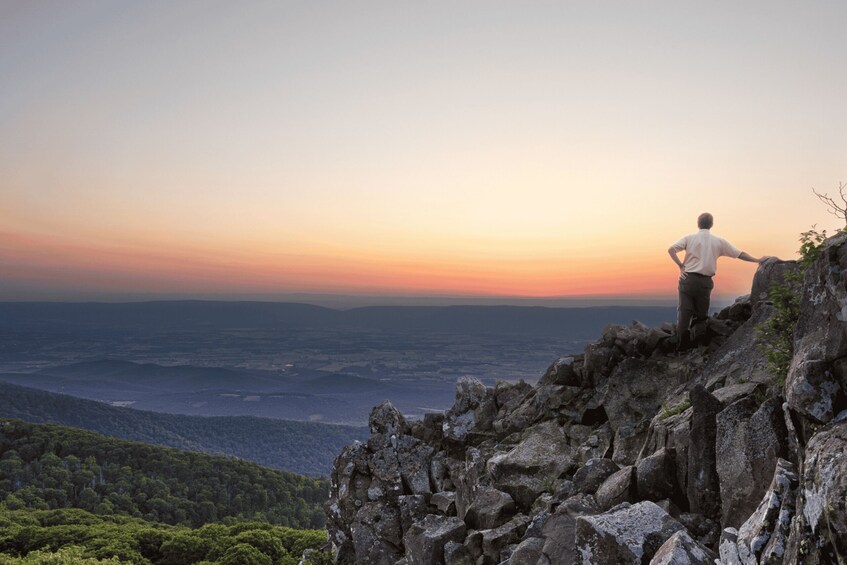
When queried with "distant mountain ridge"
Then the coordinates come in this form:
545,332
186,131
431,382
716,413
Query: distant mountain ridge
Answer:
305,448
535,320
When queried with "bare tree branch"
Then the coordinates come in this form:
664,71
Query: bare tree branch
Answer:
839,211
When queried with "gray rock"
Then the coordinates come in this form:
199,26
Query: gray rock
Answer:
730,393
466,476
490,508
457,554
561,372
474,408
377,534
705,530
740,359
625,534
349,484
728,547
384,469
524,489
672,432
819,530
681,549
495,540
769,274
656,476
426,539
749,442
600,360
540,458
445,502
636,390
473,543
536,525
629,442
528,552
764,536
703,484
597,445
618,488
590,476
386,419
412,508
415,460
814,383
559,530
812,387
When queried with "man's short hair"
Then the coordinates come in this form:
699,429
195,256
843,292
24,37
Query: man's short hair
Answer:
705,221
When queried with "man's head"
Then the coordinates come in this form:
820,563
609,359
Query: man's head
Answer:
705,221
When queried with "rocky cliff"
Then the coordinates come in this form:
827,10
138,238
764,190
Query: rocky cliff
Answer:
627,453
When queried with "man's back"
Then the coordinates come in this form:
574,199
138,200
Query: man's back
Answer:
702,250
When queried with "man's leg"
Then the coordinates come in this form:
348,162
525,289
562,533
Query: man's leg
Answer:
685,311
702,298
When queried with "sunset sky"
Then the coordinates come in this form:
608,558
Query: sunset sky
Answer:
508,149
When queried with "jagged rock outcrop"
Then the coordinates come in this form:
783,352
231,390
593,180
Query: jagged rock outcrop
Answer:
817,380
626,453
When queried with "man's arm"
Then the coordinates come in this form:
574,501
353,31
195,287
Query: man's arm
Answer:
750,259
673,252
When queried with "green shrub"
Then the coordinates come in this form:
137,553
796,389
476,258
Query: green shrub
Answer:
776,335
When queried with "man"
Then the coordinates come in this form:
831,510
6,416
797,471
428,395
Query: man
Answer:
702,250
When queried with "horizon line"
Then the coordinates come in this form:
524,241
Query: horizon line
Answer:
345,301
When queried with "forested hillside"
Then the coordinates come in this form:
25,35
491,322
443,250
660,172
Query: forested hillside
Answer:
48,467
77,537
300,447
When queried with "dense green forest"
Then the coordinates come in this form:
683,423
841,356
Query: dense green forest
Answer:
45,466
301,447
77,537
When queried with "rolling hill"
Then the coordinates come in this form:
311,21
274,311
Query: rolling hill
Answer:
300,447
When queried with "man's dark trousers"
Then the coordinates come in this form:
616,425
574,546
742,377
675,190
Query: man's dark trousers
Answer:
695,290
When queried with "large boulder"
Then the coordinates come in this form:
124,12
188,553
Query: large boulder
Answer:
681,549
625,534
415,462
561,372
636,390
495,541
703,485
466,476
819,531
426,539
349,484
474,409
590,476
544,451
559,529
619,487
528,552
740,359
769,274
490,508
750,440
386,419
656,476
815,382
377,534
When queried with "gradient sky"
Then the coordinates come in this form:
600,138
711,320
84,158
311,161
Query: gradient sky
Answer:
431,148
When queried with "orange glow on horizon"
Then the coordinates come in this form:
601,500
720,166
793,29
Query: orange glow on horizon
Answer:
47,260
